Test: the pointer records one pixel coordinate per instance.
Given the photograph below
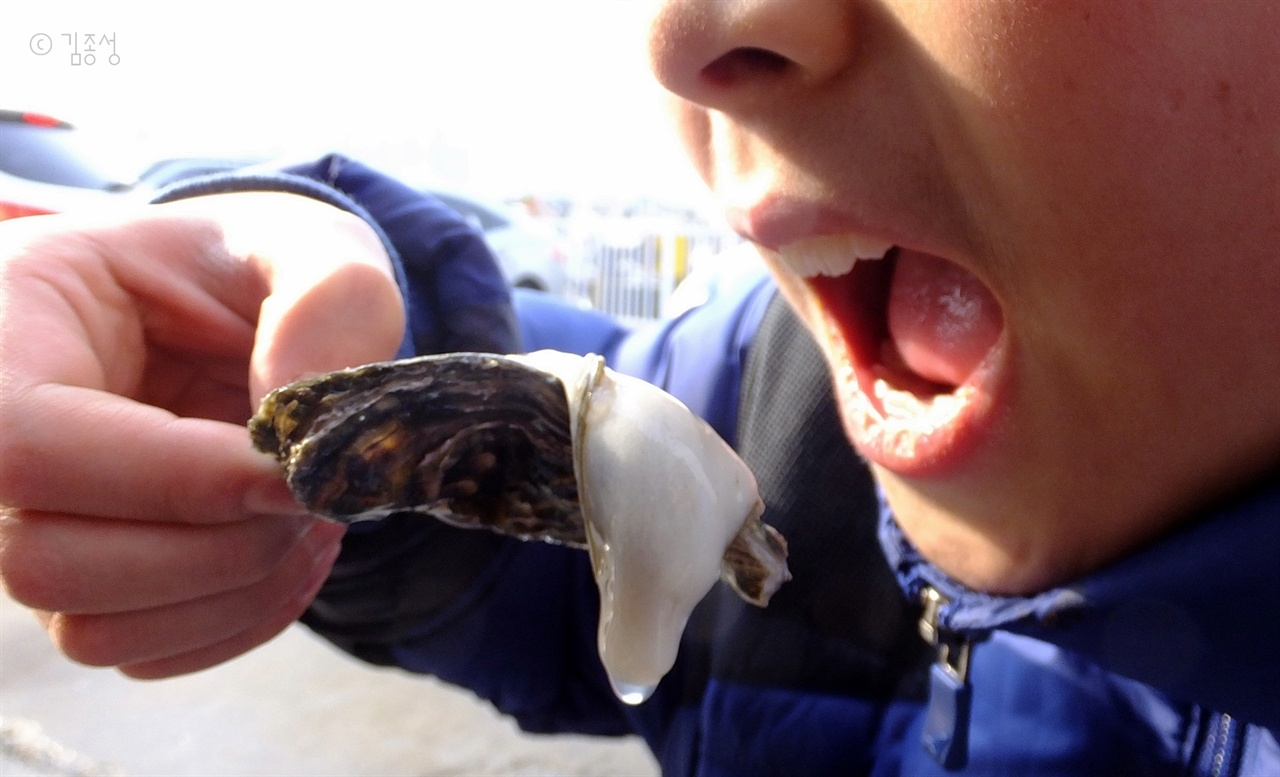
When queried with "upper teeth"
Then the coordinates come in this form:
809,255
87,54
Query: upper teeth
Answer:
832,255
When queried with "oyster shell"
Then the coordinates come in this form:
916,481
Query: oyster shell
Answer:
475,440
547,446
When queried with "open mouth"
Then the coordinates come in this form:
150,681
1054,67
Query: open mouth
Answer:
916,342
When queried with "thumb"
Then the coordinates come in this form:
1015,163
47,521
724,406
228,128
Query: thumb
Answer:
333,302
351,315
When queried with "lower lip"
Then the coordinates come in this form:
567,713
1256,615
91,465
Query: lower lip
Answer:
912,436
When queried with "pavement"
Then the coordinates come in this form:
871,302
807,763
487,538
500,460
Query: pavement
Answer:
295,706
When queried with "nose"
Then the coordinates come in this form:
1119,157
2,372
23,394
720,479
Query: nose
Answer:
721,53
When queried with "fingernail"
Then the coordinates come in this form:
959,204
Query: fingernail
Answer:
313,540
320,572
273,498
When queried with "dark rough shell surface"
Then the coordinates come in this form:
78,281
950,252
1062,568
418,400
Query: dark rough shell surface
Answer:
477,440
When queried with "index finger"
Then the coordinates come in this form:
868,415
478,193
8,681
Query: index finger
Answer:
90,452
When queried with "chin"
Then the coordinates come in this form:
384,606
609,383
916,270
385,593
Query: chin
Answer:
965,538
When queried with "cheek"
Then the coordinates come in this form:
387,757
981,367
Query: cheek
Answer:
1111,108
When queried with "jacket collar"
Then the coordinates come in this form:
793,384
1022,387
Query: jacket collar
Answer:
1196,614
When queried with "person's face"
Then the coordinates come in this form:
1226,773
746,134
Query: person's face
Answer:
1077,335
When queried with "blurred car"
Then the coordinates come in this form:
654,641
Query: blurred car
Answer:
47,166
529,251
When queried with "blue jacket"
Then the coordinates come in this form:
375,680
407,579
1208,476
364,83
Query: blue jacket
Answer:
1162,663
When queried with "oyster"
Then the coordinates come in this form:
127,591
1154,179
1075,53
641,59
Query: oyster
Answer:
546,446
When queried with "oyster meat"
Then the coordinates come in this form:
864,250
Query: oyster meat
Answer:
545,446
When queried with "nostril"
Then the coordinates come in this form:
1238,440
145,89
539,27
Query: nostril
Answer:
745,63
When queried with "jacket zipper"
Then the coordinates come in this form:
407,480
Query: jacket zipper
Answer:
1223,745
946,727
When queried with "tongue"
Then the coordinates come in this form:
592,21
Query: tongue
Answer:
942,320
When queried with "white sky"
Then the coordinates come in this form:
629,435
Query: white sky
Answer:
503,96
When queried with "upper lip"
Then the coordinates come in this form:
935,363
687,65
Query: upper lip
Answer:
774,222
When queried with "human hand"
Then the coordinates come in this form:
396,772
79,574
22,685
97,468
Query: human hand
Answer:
137,520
